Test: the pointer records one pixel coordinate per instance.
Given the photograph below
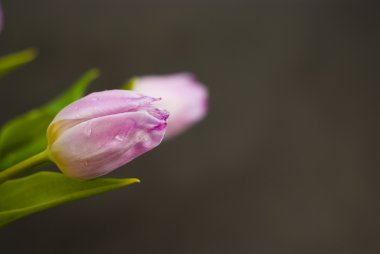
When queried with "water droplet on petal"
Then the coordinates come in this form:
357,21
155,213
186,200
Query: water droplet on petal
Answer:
119,137
88,131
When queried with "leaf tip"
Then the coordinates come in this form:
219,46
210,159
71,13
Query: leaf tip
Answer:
94,72
130,84
128,181
33,51
136,180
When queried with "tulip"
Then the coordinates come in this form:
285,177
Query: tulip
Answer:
103,131
182,95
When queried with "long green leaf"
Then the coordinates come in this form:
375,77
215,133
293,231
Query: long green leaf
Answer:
25,135
12,61
24,196
75,92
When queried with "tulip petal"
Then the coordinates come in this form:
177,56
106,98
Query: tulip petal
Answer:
102,104
97,146
182,95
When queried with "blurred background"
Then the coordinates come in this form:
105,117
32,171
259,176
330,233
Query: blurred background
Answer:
287,160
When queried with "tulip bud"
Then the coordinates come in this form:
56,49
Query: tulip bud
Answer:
103,131
182,95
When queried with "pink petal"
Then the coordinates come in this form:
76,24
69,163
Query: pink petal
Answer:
182,95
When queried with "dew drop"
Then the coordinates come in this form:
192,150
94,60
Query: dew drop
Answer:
85,164
88,131
119,137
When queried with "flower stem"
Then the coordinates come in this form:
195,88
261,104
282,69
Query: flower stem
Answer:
23,166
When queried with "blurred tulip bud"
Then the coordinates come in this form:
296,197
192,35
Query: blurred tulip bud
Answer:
182,95
103,131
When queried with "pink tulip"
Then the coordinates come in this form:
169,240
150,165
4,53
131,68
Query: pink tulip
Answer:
103,131
182,95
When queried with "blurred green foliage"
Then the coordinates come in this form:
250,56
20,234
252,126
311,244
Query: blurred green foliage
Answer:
40,191
25,135
12,61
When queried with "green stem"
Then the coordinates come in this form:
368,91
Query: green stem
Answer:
23,166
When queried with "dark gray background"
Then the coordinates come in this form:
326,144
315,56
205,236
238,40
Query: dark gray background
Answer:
287,160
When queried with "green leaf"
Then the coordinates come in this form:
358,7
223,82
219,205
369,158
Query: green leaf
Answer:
12,61
25,135
75,92
24,196
130,84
